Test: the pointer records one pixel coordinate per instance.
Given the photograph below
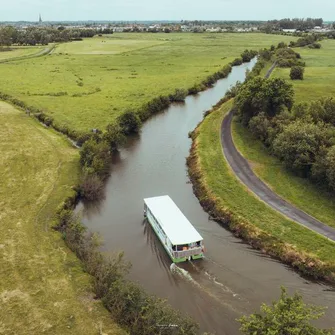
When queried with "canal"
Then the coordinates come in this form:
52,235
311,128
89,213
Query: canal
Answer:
233,279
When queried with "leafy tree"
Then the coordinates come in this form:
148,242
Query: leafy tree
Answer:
114,136
299,143
278,94
297,73
287,316
281,45
248,55
129,122
258,95
95,157
331,166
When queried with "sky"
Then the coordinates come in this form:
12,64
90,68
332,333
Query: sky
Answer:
128,10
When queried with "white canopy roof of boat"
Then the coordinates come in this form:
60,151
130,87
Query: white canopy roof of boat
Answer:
175,225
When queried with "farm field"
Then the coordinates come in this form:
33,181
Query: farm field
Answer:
229,194
319,77
88,84
19,52
43,288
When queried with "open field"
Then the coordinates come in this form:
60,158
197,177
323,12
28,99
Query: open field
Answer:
43,288
298,191
319,78
19,52
230,195
88,84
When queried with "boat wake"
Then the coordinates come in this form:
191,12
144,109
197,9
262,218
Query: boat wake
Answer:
207,288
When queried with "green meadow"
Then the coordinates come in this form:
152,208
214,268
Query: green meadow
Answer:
15,52
43,288
319,77
87,84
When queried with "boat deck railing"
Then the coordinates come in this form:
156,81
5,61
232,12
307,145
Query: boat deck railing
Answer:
187,253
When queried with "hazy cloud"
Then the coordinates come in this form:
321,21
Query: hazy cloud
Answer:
164,9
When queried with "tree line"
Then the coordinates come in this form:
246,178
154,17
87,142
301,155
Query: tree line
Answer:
10,35
296,23
302,135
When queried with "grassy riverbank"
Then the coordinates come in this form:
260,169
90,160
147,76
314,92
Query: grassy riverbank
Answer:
319,77
227,200
298,191
43,288
87,84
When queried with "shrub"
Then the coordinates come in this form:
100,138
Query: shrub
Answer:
297,73
95,157
114,136
281,45
248,55
91,187
259,126
237,61
196,88
179,95
315,46
129,122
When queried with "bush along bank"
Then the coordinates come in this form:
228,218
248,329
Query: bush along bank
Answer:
130,306
305,263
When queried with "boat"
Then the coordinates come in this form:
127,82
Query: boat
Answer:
180,239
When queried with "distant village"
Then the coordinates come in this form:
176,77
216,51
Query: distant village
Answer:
185,26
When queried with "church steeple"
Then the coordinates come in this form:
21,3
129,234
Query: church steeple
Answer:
40,19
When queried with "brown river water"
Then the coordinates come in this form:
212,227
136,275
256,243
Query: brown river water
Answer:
233,279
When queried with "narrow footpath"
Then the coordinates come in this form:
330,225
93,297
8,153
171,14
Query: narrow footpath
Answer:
244,173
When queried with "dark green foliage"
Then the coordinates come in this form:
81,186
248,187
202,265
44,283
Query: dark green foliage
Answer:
196,88
259,126
43,35
134,309
179,95
95,158
297,73
297,145
237,61
265,54
307,40
248,55
263,95
287,57
129,122
303,138
315,46
282,45
114,136
330,166
288,315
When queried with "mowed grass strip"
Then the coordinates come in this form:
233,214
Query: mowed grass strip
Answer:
87,84
298,191
43,288
319,77
230,195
